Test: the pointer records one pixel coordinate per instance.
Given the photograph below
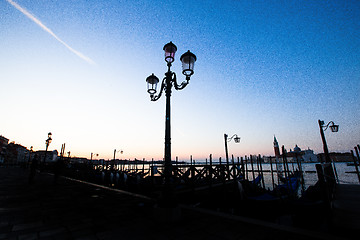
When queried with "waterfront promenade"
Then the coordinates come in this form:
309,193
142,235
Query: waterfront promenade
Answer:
78,210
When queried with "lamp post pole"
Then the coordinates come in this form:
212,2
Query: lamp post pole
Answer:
188,59
226,148
91,157
325,147
47,143
30,151
168,165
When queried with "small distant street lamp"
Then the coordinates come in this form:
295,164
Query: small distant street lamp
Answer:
47,143
30,151
95,154
226,139
115,151
188,60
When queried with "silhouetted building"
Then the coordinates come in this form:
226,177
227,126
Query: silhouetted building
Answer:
302,155
15,153
51,156
3,145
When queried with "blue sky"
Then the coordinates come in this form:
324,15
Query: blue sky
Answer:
263,68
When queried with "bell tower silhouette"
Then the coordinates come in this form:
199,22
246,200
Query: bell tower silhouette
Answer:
276,147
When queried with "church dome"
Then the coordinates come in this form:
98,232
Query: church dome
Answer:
297,149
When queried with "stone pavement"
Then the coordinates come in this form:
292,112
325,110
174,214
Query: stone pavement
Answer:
77,210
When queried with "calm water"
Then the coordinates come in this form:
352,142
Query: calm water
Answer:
310,175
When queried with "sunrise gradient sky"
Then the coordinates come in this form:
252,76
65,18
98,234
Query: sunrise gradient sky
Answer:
78,69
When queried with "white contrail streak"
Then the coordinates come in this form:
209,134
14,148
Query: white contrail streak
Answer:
38,22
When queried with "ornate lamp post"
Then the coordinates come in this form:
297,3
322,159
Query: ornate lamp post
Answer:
115,151
47,143
187,59
91,156
334,128
226,139
30,151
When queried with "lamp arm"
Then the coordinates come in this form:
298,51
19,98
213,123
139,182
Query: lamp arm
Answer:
176,85
327,125
155,98
229,139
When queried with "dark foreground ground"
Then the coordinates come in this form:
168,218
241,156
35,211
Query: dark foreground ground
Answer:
77,210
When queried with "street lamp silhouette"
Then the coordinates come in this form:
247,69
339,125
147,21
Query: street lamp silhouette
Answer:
47,143
333,128
95,154
188,60
226,140
30,151
115,151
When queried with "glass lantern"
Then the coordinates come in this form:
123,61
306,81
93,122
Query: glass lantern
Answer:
170,50
152,82
188,60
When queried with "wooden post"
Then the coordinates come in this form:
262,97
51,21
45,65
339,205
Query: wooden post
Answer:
192,172
221,172
238,167
233,165
287,171
257,165
242,167
262,173
356,163
252,167
152,169
272,174
277,169
301,173
246,168
206,169
357,153
210,170
143,167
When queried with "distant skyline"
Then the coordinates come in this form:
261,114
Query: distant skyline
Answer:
264,68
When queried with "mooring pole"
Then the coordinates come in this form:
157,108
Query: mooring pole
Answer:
272,174
356,163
